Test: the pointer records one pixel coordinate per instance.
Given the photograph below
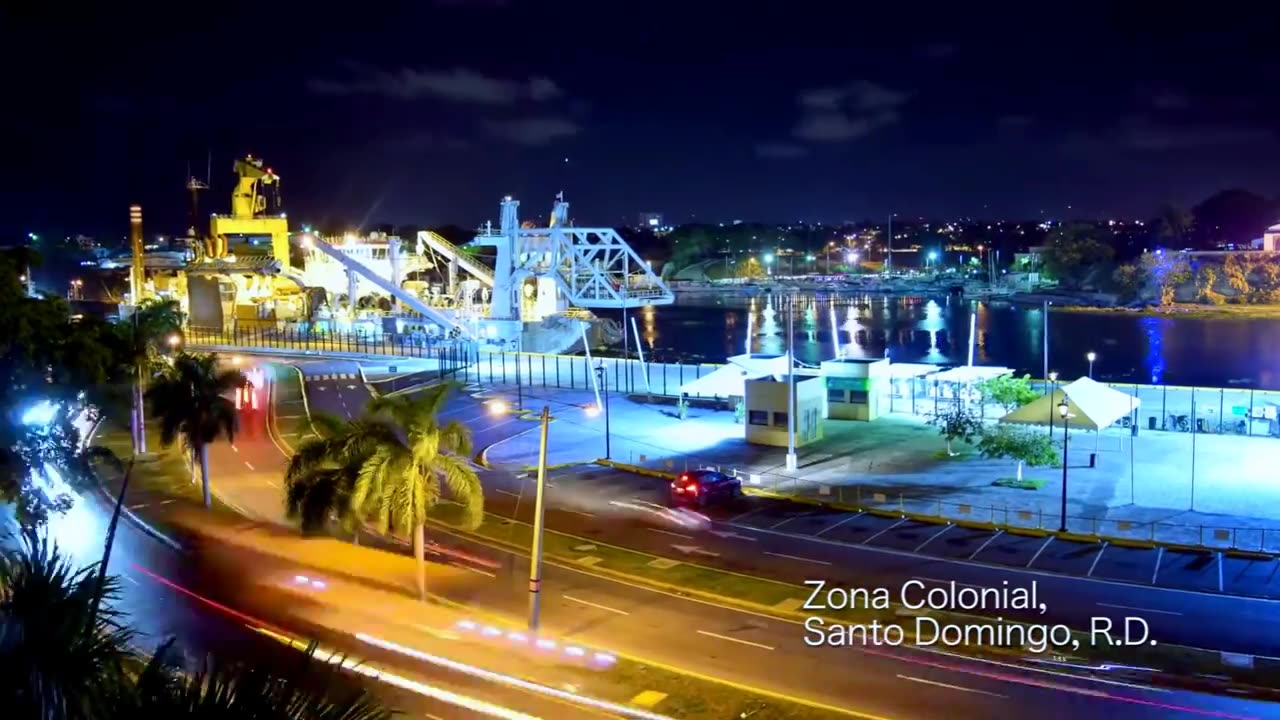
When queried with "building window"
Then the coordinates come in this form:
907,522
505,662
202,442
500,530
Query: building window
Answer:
835,395
780,420
858,397
758,417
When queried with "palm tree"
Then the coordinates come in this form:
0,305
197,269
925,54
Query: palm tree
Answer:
411,458
143,338
311,691
191,401
323,470
60,655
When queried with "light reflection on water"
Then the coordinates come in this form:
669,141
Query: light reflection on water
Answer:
935,329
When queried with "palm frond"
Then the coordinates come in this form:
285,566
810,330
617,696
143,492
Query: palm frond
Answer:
464,486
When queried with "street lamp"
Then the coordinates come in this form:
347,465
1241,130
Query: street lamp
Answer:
174,341
1053,389
933,259
499,407
604,389
1091,356
768,263
1064,410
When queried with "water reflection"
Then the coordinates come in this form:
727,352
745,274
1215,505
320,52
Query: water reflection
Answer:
1178,350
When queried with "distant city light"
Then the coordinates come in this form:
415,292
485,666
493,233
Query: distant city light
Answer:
768,258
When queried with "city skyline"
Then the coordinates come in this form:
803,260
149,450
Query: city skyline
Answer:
430,116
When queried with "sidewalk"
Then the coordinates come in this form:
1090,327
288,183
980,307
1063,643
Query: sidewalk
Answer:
899,462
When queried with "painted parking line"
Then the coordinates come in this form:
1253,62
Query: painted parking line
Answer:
734,639
797,558
935,683
1138,609
837,524
1042,547
984,545
597,606
737,518
507,492
932,538
784,521
1096,558
246,464
885,530
1155,572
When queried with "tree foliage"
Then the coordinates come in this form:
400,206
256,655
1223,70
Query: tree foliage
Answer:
190,401
1166,270
389,467
1024,445
46,355
64,656
957,422
1008,391
1073,251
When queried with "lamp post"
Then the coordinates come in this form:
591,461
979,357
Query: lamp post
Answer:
1053,389
519,382
792,462
174,341
604,389
535,556
1091,356
1064,409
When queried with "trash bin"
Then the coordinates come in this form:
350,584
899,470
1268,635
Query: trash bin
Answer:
1151,422
1093,460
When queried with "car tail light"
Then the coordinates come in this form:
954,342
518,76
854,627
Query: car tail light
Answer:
684,478
693,489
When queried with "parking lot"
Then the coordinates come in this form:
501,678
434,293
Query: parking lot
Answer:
1205,571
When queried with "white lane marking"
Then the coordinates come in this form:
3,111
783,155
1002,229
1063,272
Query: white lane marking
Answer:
597,606
950,687
289,417
129,579
478,571
795,557
139,506
246,464
836,525
507,492
166,502
578,512
945,582
984,545
873,537
1036,557
273,483
233,447
672,534
1139,609
734,639
736,518
784,521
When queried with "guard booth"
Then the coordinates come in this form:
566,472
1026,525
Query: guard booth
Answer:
768,416
855,387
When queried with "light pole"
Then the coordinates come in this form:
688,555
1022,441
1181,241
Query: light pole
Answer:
604,389
1064,409
519,382
1053,390
791,384
1091,356
535,556
768,263
933,260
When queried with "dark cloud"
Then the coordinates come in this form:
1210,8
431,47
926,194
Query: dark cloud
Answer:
535,131
847,112
458,84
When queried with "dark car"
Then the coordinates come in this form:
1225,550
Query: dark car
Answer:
702,487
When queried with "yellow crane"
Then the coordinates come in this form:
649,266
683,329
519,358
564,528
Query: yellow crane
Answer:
255,185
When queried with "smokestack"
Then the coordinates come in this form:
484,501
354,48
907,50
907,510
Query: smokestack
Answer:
136,277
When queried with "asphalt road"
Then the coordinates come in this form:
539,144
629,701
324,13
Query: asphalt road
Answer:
761,652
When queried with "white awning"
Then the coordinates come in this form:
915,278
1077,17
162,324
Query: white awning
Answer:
731,380
1091,406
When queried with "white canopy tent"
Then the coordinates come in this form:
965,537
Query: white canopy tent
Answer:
730,380
1092,406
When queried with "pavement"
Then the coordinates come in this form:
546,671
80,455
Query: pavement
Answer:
899,461
761,652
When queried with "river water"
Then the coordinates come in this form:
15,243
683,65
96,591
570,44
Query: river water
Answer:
1209,352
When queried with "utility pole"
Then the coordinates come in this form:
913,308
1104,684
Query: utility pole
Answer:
791,383
888,253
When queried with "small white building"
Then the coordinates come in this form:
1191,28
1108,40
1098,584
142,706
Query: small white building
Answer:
1270,240
855,386
767,415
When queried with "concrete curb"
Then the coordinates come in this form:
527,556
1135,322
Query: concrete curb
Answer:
974,524
124,509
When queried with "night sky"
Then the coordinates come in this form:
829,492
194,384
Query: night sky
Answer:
429,112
